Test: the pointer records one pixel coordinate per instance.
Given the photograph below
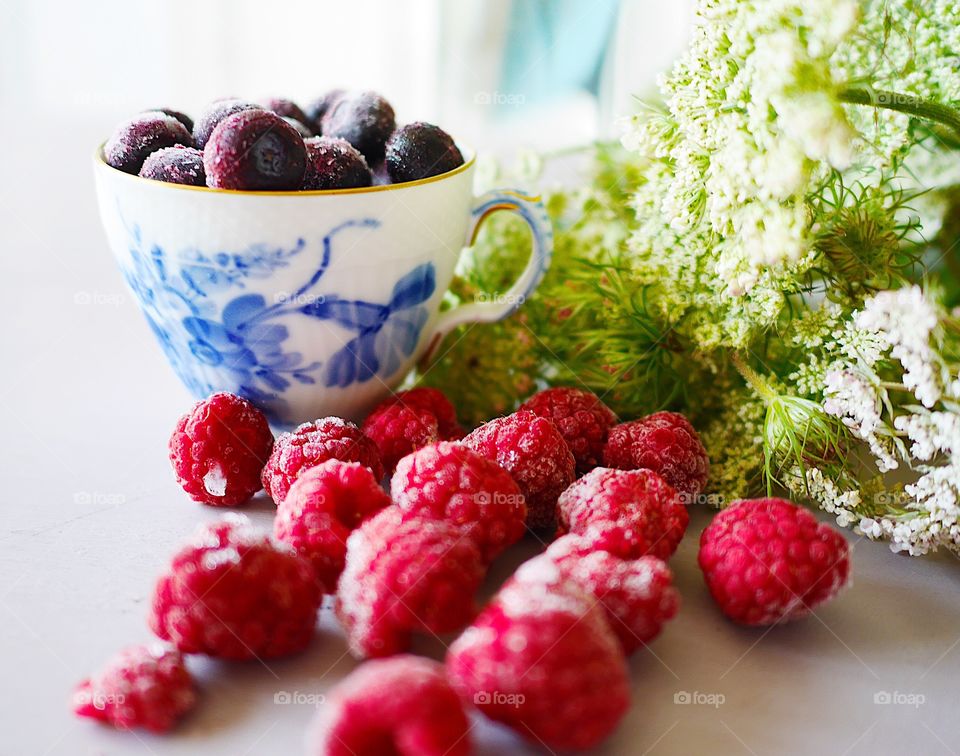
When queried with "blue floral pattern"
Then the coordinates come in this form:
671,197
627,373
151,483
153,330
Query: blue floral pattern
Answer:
242,344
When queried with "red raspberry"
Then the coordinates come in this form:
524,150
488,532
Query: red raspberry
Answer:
582,419
230,592
769,560
321,509
434,401
142,686
402,705
542,659
664,442
398,429
404,575
532,450
313,443
628,513
637,594
448,481
218,450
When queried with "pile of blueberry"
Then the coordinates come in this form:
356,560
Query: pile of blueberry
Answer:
341,140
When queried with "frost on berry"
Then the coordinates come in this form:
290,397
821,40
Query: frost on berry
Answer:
401,705
581,417
142,686
406,575
449,482
637,595
664,442
312,443
533,451
628,513
324,505
232,592
542,659
218,450
769,560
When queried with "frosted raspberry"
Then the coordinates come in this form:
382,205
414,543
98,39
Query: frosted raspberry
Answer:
532,450
313,443
431,400
769,560
448,481
142,686
542,659
323,506
637,594
219,448
664,442
628,513
405,575
402,705
230,592
398,429
582,419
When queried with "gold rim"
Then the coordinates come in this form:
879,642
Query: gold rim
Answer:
99,159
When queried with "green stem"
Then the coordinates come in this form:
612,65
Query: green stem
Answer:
864,94
757,382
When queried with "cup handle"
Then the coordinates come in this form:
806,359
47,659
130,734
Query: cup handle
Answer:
532,210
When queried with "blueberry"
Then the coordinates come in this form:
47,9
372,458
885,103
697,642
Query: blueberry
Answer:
134,140
364,119
420,150
175,165
254,149
317,109
302,130
334,164
216,111
287,109
186,120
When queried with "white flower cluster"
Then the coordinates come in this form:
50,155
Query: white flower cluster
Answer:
905,320
752,114
927,515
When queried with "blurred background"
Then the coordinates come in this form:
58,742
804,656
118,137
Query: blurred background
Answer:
494,72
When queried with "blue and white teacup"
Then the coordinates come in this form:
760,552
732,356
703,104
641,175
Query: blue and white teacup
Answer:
307,303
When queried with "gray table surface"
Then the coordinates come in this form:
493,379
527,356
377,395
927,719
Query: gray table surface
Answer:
91,513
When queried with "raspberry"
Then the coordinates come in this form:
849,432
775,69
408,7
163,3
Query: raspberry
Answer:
398,429
637,594
769,560
312,443
542,659
582,419
402,705
628,513
664,442
448,481
404,575
133,141
142,686
532,450
219,448
323,506
230,592
434,401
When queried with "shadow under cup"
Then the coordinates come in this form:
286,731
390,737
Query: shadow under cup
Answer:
307,303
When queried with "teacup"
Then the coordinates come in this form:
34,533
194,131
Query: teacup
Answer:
307,303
